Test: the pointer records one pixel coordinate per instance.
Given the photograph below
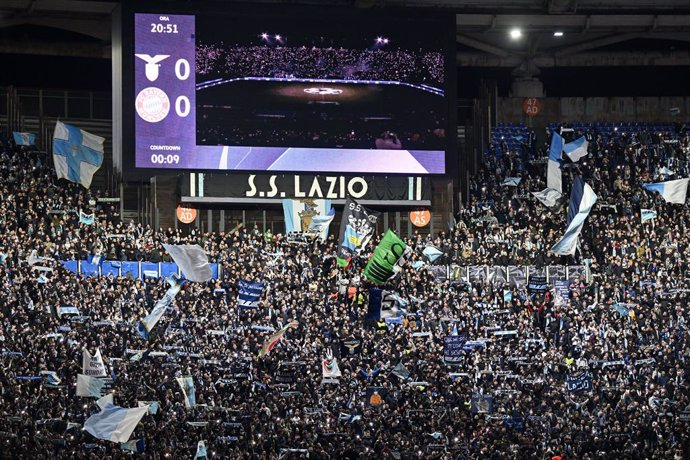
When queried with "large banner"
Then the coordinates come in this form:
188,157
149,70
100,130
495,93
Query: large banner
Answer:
356,229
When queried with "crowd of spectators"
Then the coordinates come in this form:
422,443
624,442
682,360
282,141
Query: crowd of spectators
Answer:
626,326
219,129
318,62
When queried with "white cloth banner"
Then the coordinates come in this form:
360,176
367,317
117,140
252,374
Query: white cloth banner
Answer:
93,366
192,260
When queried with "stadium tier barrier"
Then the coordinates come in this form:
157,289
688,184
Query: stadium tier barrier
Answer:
515,275
139,270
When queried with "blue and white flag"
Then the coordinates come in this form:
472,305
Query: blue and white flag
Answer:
135,445
91,387
664,171
77,154
188,390
299,213
147,324
553,171
576,149
385,304
549,197
105,401
96,259
153,406
51,378
86,219
114,423
512,181
432,253
582,198
673,191
248,294
201,450
347,418
192,260
321,223
647,214
578,383
24,138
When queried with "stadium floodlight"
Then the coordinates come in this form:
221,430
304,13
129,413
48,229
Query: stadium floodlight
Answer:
264,36
558,33
515,33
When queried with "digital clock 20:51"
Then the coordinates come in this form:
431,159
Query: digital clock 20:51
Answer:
164,28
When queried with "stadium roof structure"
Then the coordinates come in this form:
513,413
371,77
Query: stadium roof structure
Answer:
590,32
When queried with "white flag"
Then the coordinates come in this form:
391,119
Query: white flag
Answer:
192,261
548,196
93,366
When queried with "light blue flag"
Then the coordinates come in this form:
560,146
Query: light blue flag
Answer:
114,423
201,450
647,214
432,253
320,224
77,154
576,149
91,387
86,219
24,138
512,181
553,170
582,198
187,386
147,324
673,191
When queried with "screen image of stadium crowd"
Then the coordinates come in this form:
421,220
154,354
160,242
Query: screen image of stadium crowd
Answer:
364,85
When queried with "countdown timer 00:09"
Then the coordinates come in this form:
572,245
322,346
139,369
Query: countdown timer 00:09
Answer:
159,158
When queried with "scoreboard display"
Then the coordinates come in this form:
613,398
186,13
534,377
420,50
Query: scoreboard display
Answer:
302,91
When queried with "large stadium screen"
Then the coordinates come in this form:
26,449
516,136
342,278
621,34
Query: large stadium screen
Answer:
351,94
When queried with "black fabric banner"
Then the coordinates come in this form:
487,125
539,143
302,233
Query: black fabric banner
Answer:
356,229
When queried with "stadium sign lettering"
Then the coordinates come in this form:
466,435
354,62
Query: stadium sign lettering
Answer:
330,187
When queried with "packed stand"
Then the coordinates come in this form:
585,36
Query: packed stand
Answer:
628,328
317,62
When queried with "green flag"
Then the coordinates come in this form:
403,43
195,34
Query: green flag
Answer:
387,259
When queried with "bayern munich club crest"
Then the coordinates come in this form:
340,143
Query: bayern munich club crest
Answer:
152,104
